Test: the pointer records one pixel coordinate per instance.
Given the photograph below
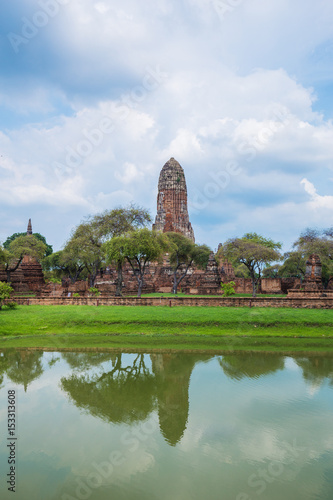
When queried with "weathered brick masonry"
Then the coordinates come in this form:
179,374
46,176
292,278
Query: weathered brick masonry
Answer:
310,303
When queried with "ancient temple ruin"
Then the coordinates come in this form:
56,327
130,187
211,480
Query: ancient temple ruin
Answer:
312,285
172,213
29,276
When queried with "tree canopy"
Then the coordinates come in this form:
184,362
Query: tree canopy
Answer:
18,248
183,253
11,238
310,241
138,248
254,251
86,243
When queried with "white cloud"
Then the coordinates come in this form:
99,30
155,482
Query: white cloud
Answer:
317,202
232,90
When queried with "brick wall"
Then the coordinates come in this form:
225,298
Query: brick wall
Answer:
310,303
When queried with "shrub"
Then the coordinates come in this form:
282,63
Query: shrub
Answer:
228,288
5,291
94,291
11,305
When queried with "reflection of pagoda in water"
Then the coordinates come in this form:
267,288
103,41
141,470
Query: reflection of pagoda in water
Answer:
173,372
129,393
172,394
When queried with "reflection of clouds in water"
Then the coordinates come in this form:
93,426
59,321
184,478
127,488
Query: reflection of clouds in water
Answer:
234,425
291,365
313,388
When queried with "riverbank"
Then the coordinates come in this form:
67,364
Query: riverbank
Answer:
168,328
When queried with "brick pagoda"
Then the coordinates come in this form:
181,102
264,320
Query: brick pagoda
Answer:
172,213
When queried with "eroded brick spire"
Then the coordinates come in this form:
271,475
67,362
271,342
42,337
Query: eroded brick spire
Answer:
29,229
172,213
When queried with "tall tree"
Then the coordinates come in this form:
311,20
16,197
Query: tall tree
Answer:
138,248
254,251
64,263
311,241
86,242
40,237
183,253
18,248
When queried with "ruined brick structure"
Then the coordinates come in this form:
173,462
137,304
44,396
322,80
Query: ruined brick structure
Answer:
312,284
172,213
28,276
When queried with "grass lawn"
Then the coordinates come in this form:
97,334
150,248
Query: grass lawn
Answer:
175,327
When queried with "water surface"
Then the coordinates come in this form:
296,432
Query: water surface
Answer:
104,425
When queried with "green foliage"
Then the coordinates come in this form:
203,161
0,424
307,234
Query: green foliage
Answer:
241,271
64,263
120,220
183,253
56,281
94,291
17,249
5,292
26,245
253,251
48,249
138,248
228,288
85,247
260,240
76,295
11,305
271,271
311,241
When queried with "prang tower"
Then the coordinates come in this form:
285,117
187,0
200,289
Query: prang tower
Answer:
172,214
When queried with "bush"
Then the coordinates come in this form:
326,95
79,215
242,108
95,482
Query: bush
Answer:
55,281
76,295
11,305
94,291
5,291
228,288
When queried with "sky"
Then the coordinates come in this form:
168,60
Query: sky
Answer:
95,97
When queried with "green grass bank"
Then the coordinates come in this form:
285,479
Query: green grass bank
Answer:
226,328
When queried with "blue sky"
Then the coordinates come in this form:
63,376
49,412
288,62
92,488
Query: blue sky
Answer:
95,96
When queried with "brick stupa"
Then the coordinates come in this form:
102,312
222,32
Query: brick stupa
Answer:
172,213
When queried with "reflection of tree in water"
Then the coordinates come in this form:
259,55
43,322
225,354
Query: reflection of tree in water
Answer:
84,360
122,394
21,367
173,372
252,365
4,365
129,392
316,369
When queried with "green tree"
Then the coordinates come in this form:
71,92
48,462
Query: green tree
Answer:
64,263
254,251
86,242
5,292
18,248
271,271
242,271
311,241
183,254
138,248
39,237
115,251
